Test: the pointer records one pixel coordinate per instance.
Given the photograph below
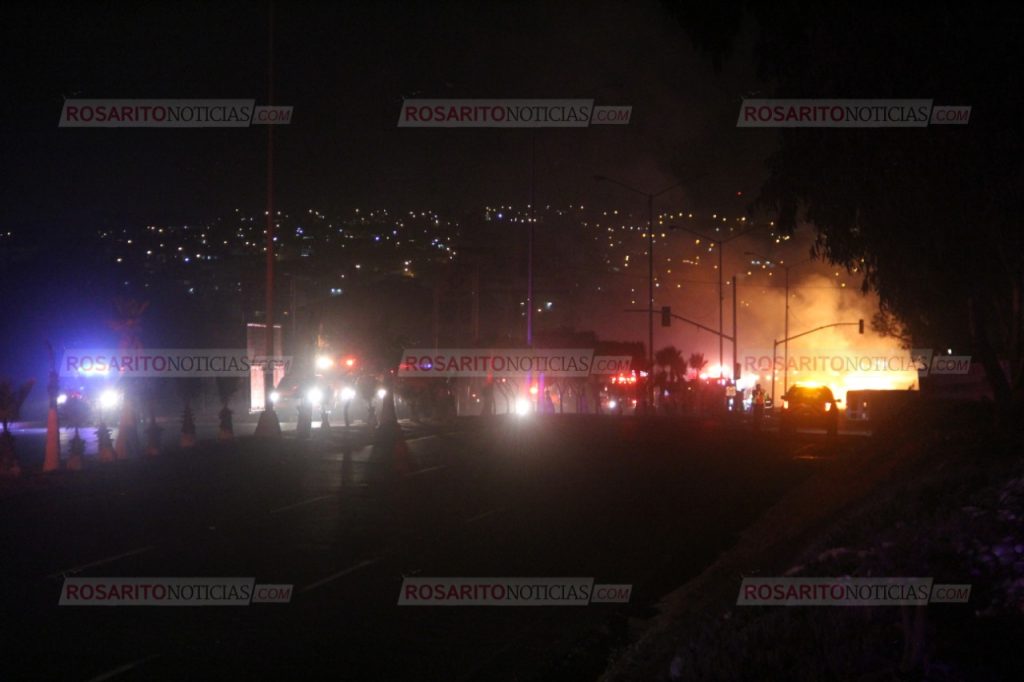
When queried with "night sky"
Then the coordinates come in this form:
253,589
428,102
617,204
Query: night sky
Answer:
346,68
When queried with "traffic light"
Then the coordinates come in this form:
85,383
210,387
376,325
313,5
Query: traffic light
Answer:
666,316
860,327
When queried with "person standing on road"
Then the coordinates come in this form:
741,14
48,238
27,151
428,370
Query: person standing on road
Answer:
759,399
549,404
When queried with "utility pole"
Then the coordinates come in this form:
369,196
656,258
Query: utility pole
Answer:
719,244
268,424
785,344
785,351
650,303
529,255
721,314
735,334
650,273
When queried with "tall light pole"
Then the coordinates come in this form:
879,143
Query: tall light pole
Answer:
268,424
735,334
529,249
785,334
719,243
650,272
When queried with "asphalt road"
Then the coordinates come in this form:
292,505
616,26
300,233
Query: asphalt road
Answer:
647,503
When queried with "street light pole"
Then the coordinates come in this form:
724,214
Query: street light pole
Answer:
268,424
785,348
719,244
651,196
785,336
735,333
529,255
650,301
721,325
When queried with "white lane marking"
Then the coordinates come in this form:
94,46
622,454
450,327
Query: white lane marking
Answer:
100,562
480,517
419,438
122,669
340,574
427,471
442,434
301,504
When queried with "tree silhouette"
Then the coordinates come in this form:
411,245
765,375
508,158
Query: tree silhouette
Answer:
697,363
671,358
929,217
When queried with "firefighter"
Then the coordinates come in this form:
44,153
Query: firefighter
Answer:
759,399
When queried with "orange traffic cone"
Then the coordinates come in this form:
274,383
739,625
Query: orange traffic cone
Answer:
51,461
390,453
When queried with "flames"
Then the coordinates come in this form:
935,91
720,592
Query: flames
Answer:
837,357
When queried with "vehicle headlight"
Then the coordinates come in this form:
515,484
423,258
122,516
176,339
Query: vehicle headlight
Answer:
348,393
315,396
274,396
324,362
382,393
109,399
523,407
